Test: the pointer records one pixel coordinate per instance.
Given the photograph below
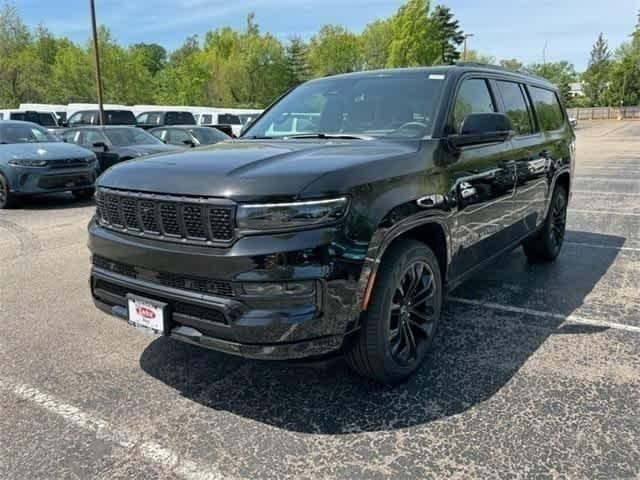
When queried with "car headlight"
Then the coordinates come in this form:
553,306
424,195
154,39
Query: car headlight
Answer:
284,216
91,159
24,162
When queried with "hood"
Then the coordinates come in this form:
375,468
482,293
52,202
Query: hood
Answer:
141,150
250,169
43,151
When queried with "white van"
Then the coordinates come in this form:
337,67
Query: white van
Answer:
46,119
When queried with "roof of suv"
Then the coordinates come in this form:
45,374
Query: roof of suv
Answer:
459,69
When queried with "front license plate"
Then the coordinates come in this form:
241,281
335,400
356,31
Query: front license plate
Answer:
147,313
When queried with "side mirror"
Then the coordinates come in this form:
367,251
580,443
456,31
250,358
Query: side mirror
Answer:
102,145
189,143
480,128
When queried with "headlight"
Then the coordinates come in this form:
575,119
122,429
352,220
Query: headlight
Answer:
91,159
23,162
283,216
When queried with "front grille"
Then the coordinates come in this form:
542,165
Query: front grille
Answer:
198,284
188,220
68,163
117,295
65,181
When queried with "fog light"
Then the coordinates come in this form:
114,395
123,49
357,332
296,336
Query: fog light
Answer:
276,289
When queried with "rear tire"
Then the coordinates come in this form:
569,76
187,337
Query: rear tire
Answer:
7,199
546,244
398,327
83,195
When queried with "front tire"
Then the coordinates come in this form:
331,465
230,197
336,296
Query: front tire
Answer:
399,325
7,199
546,244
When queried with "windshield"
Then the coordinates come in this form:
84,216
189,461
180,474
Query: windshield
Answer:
392,105
25,133
208,136
124,137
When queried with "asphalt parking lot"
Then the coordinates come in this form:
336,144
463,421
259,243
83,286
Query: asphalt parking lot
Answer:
536,372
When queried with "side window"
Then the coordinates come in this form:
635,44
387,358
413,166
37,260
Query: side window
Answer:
93,136
71,136
142,118
547,108
473,97
161,134
178,137
515,107
75,118
207,119
155,119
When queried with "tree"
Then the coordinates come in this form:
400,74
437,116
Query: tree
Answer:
477,57
511,64
297,64
412,43
596,77
447,34
376,41
16,72
334,50
152,56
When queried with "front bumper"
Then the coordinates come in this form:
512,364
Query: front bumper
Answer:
32,181
204,288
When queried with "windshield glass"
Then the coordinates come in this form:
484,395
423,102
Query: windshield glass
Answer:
123,137
208,136
391,105
25,133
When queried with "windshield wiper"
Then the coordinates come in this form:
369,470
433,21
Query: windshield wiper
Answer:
259,137
339,136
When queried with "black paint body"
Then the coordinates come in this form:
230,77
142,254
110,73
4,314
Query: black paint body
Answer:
468,204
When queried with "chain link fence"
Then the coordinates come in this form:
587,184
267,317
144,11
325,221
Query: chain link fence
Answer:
604,113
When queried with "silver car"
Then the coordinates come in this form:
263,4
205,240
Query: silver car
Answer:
34,161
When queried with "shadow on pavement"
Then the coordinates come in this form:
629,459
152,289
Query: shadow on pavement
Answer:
476,354
52,201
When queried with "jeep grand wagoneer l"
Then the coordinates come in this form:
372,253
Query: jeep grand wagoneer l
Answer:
341,217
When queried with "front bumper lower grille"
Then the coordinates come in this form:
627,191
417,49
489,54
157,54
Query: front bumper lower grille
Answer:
172,280
171,218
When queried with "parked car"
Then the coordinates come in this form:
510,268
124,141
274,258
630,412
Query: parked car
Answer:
33,161
92,117
345,238
213,118
189,135
46,119
115,144
159,118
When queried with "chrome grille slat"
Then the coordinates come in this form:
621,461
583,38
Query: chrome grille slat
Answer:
184,219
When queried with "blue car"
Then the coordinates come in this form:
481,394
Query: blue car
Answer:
34,161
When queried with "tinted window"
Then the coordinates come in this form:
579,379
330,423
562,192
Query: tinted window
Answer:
25,133
179,118
206,119
547,108
473,97
178,137
394,105
47,120
515,107
208,136
229,119
17,116
123,137
119,117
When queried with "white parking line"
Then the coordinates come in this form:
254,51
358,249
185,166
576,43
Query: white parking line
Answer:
609,247
538,313
616,194
604,212
151,451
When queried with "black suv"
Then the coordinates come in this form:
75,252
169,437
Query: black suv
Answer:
158,118
340,218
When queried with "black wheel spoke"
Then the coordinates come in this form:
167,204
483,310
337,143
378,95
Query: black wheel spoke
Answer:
410,338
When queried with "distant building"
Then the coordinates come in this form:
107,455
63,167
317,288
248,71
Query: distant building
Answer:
576,89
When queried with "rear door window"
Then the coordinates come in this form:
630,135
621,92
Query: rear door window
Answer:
547,108
515,107
179,118
178,137
473,97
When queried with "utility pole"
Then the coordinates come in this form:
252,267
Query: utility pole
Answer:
464,50
97,60
544,54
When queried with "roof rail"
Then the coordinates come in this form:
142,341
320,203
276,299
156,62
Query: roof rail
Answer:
522,70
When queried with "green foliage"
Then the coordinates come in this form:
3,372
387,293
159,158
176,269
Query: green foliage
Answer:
376,41
249,68
412,43
446,34
334,50
597,74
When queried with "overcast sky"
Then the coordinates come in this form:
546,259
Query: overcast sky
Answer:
504,29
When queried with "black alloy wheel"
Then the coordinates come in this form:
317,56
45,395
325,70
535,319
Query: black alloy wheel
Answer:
412,313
